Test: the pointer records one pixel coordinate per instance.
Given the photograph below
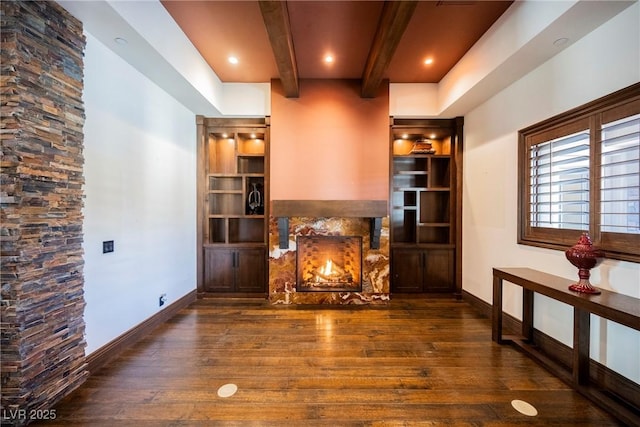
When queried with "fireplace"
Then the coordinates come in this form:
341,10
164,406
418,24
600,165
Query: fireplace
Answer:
329,263
328,252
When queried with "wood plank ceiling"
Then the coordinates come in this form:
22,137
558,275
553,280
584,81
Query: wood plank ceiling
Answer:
369,40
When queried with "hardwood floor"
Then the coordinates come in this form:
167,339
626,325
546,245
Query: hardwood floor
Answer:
425,362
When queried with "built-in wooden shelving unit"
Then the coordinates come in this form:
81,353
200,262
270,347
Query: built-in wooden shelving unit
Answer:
233,205
425,205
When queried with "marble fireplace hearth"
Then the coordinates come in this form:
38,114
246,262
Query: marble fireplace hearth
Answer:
366,220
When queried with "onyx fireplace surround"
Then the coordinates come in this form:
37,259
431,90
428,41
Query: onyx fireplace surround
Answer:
321,225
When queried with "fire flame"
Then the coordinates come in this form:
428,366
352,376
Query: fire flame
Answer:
331,272
327,270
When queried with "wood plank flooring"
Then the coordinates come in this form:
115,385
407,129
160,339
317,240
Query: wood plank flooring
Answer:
412,362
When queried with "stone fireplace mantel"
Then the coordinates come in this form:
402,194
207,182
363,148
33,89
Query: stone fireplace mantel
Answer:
373,209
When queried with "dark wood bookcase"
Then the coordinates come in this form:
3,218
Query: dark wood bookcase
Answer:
425,195
233,195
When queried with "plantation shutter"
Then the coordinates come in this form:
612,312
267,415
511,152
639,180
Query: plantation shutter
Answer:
558,181
620,178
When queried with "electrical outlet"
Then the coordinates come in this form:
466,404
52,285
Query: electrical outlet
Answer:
107,246
162,300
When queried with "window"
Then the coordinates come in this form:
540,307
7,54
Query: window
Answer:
580,172
620,176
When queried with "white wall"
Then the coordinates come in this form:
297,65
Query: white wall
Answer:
140,161
413,100
604,61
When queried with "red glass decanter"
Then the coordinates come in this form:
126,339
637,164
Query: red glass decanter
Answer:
584,256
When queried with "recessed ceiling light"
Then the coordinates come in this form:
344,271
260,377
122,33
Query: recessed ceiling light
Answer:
561,41
329,59
428,61
233,59
120,40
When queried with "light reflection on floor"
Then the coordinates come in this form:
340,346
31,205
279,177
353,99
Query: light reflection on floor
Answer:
324,325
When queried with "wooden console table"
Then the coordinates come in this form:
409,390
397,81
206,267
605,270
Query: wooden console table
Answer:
616,307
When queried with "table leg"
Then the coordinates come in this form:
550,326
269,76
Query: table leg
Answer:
496,324
527,314
581,336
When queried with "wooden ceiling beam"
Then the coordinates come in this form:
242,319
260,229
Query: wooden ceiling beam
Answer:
393,21
276,19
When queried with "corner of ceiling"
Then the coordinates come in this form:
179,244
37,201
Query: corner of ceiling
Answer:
156,47
521,40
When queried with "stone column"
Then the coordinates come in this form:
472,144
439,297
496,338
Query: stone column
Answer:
41,208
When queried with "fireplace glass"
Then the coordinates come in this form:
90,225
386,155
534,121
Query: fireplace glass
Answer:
329,263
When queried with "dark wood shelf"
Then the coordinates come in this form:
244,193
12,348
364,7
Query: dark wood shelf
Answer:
410,189
424,245
330,208
412,173
226,192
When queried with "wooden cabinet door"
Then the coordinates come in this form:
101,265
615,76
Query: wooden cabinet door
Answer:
219,270
439,270
407,271
250,270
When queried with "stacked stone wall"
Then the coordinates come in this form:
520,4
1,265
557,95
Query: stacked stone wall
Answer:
41,196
